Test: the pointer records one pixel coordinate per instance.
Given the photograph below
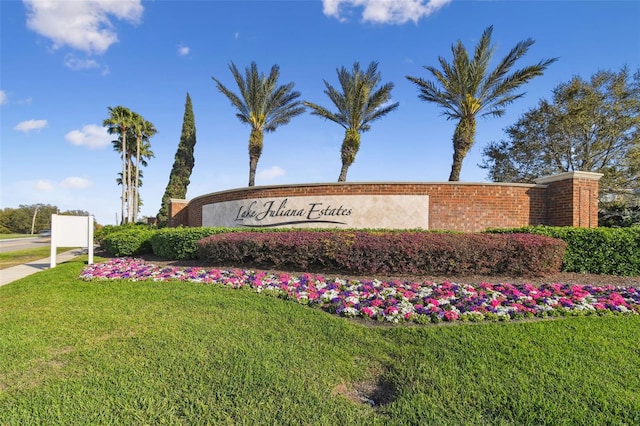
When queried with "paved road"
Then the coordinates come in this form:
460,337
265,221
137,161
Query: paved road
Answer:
23,244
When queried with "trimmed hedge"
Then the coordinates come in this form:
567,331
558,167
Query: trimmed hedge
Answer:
613,251
181,243
102,233
128,242
389,252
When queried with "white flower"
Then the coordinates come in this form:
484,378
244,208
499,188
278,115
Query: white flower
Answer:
330,294
352,312
353,300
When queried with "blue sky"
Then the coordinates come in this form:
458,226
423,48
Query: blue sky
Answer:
64,62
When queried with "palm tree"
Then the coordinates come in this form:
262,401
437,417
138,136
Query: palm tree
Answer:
466,88
262,104
135,172
358,104
119,122
143,131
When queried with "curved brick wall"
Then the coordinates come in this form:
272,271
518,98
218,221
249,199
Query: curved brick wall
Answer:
453,206
569,199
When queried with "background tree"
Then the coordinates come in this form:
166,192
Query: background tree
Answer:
358,105
75,212
465,88
590,126
262,104
183,163
20,220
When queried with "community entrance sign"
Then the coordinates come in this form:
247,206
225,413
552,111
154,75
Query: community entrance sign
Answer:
323,211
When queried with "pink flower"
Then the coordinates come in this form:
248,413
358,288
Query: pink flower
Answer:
450,316
391,310
368,312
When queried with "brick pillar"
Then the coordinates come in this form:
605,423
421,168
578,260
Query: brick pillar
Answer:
178,212
572,199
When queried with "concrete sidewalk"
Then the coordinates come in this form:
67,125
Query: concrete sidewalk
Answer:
15,273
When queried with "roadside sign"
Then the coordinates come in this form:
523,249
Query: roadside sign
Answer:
71,231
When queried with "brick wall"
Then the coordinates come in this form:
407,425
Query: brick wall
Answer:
178,212
567,199
572,199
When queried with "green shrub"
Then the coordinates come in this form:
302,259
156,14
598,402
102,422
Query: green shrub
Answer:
181,243
104,231
130,241
614,251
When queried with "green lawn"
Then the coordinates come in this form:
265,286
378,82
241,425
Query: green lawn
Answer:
14,258
10,236
73,352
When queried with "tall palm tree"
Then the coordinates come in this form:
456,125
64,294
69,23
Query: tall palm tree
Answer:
135,172
465,88
358,105
119,122
262,104
143,131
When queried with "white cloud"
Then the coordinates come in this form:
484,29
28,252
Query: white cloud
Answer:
27,126
91,136
183,50
74,182
3,97
271,173
236,35
77,64
43,185
26,101
80,24
384,11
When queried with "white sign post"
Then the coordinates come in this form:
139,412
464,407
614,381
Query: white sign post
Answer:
71,231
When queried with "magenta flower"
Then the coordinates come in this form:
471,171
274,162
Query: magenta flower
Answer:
394,301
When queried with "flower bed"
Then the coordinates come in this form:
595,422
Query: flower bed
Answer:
395,301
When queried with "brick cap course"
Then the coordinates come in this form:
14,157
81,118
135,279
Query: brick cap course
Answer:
569,175
385,183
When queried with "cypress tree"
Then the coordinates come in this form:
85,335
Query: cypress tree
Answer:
182,164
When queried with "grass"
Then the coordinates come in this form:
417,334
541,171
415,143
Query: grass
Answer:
18,257
75,352
11,236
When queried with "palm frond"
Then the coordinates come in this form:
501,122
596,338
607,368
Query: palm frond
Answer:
465,87
261,103
359,101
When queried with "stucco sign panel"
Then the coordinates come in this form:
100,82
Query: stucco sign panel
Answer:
332,211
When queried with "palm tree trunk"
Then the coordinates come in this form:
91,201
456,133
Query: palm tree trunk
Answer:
350,146
137,184
255,150
343,172
456,166
463,138
124,174
130,190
